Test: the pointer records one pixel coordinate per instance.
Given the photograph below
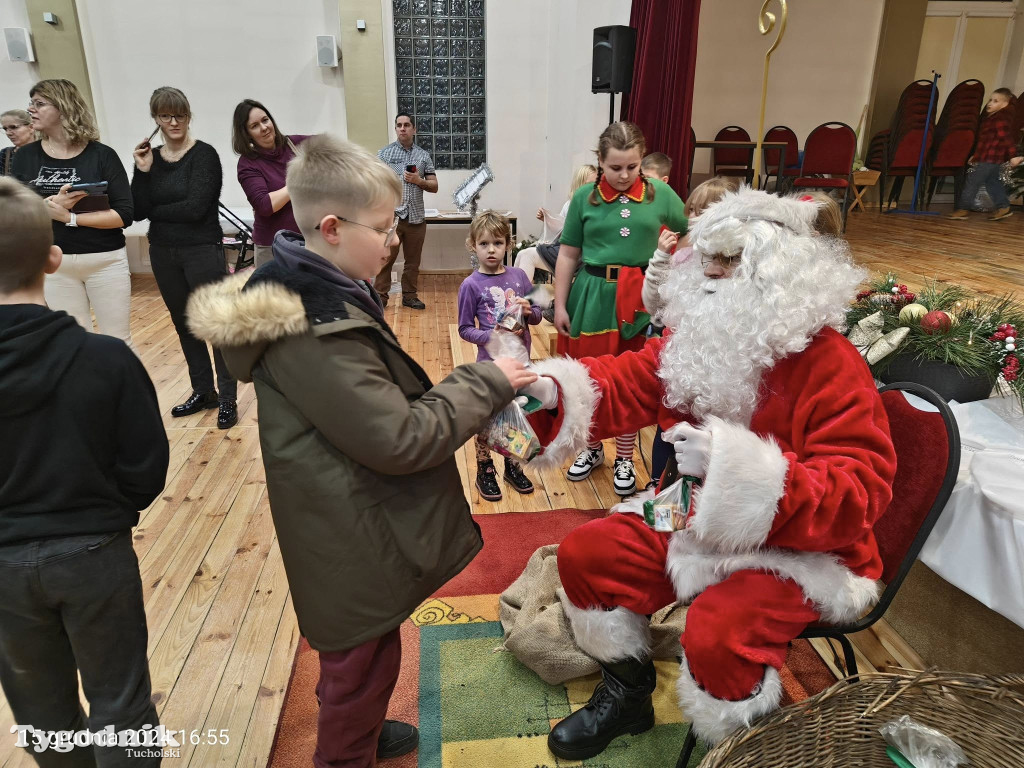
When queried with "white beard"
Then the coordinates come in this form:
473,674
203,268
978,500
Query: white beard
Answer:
712,363
727,333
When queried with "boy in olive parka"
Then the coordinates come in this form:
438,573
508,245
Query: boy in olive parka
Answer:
358,444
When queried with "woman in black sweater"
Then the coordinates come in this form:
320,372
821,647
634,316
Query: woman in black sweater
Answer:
176,186
93,277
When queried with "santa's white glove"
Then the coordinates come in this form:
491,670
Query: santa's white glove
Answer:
658,269
544,389
692,447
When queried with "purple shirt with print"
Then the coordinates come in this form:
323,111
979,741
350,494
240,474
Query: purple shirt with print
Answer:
482,297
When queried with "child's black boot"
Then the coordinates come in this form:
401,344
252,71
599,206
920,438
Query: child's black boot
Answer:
487,481
515,477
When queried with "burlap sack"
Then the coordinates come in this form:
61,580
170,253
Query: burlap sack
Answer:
538,633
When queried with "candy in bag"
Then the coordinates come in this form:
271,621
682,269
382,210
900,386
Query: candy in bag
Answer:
510,434
511,318
667,511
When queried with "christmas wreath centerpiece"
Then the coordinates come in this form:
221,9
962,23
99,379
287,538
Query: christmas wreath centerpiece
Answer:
944,337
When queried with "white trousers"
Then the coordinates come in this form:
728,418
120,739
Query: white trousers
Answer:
97,281
530,261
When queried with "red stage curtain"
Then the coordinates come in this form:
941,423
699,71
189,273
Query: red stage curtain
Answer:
661,98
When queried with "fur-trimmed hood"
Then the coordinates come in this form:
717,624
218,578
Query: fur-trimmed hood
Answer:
243,314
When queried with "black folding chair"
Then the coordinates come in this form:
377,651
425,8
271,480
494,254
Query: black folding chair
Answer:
240,241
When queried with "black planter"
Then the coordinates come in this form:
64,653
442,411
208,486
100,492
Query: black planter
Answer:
947,380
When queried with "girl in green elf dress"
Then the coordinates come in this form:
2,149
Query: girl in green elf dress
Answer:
613,226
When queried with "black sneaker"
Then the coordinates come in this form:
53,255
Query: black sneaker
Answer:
548,313
227,417
413,303
197,401
397,738
487,481
515,477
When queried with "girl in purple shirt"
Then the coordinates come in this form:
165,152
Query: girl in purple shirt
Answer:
264,156
483,295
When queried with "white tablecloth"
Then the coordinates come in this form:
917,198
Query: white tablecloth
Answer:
977,544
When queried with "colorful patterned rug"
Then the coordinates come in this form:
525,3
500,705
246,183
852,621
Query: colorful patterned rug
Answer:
476,705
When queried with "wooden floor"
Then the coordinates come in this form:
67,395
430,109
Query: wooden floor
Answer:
222,629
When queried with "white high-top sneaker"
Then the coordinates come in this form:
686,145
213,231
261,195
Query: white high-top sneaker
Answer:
625,477
585,463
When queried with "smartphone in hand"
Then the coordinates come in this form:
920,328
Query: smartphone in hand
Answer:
149,142
90,187
410,168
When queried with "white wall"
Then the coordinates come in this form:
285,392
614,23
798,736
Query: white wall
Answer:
16,77
820,72
217,53
542,119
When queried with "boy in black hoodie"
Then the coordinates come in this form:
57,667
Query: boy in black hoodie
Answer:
82,450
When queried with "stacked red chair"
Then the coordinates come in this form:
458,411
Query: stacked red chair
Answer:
1018,123
895,152
828,161
733,162
770,162
955,135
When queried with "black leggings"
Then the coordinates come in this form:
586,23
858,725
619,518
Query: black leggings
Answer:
178,272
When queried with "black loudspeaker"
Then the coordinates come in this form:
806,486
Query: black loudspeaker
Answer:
614,50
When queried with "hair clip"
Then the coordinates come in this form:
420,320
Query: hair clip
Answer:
806,198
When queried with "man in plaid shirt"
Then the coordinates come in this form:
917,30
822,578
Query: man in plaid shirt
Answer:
996,144
416,170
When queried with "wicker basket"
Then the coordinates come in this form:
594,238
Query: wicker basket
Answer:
984,714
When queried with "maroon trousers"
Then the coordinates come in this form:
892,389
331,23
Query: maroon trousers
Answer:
354,689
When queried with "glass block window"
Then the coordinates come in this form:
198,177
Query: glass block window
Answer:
439,65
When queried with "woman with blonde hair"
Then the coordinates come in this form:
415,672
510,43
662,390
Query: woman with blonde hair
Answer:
93,277
177,187
544,255
613,227
17,127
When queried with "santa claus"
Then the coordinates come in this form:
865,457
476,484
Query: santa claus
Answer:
768,404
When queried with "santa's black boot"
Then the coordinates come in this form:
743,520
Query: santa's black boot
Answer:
620,704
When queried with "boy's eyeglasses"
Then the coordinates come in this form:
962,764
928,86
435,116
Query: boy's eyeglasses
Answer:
725,262
390,233
167,119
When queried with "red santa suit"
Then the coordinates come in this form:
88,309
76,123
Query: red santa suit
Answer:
800,465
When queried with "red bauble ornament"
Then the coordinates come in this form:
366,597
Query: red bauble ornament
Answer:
936,321
1011,370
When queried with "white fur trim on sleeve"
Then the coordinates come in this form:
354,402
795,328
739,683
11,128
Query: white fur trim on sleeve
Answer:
608,636
579,397
713,719
838,594
746,478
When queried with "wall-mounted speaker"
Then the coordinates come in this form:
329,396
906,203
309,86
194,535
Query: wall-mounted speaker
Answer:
326,51
614,50
19,44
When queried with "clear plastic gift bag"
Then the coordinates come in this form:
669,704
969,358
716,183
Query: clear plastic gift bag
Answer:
922,746
505,343
510,434
667,510
511,318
